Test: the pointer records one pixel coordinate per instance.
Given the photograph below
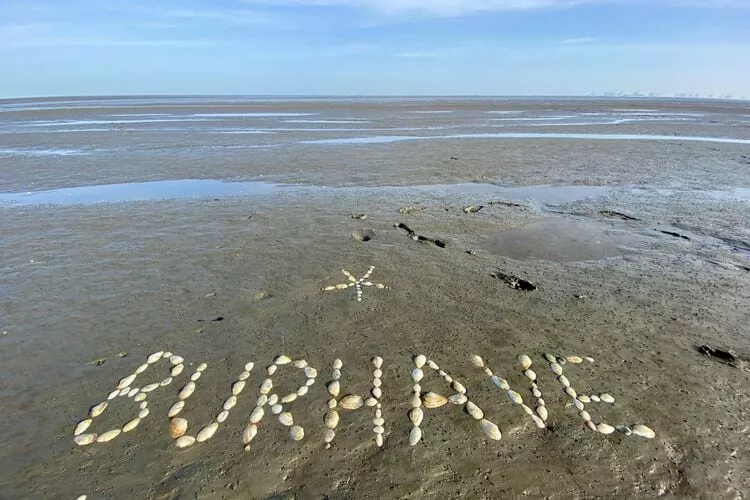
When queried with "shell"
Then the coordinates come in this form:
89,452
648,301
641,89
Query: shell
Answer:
458,399
126,381
574,359
564,380
491,430
474,410
477,361
417,374
415,435
337,364
329,435
167,354
604,428
153,358
297,433
578,404
584,415
530,374
378,421
589,359
238,387
624,429
487,371
195,376
309,382
432,364
143,405
132,392
527,410
591,425
500,382
538,421
143,413
289,398
286,419
244,375
336,374
378,373
458,387
131,425
549,357
371,401
124,391
643,431
377,392
595,398
97,410
536,392
176,408
141,368
416,401
433,400
177,427
112,395
542,412
249,433
541,402
583,398
416,415
150,387
302,390
378,429
571,392
186,391
420,360
82,426
556,368
331,419
560,360
84,439
207,432
270,370
332,403
277,408
166,381
176,360
256,415
377,361
379,440
230,402
248,366
351,402
262,400
282,360
222,416
515,397
524,361
310,372
607,398
184,441
108,436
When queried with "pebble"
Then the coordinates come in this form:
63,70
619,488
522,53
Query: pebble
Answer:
297,433
416,401
176,360
432,364
474,410
487,371
244,375
143,405
378,373
538,421
150,387
524,361
536,392
329,435
256,415
527,410
578,404
583,398
378,421
420,360
571,392
415,435
334,387
589,359
124,391
563,380
378,429
624,429
186,391
595,398
332,403
491,430
371,401
530,374
379,440
311,381
112,395
549,357
377,392
177,427
643,431
84,439
98,409
176,408
166,381
132,392
286,419
262,400
82,426
108,436
184,441
591,425
131,425
336,374
351,402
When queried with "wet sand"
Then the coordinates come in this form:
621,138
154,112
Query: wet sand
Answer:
89,282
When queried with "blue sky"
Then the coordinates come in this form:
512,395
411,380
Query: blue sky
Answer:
465,47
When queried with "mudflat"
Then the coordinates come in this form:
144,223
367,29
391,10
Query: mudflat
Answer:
638,250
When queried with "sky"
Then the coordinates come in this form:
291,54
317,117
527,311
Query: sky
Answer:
374,47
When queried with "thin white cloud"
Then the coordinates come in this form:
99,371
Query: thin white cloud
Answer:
577,41
417,55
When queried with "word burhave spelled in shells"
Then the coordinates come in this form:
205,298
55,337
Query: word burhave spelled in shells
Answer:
274,405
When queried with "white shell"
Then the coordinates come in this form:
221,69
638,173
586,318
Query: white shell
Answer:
542,412
230,402
329,435
271,369
144,413
264,388
458,387
607,398
309,382
574,359
153,358
530,374
371,401
351,402
332,403
337,364
186,391
477,361
527,410
82,426
500,382
491,430
515,397
282,360
378,373
108,436
184,441
126,381
585,415
415,435
262,399
379,440
536,392
549,357
289,398
417,374
248,366
595,398
131,425
112,395
458,399
589,359
277,408
302,390
524,361
538,421
256,415
132,392
377,361
97,410
222,416
244,375
176,408
84,439
420,360
563,380
207,432
297,433
331,419
124,391
166,381
176,360
571,392
416,415
433,400
249,433
141,368
238,387
177,427
556,368
310,372
474,410
583,398
195,376
432,364
150,387
604,428
643,431
487,371
140,397
578,404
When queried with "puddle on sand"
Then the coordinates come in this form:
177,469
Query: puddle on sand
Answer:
564,240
